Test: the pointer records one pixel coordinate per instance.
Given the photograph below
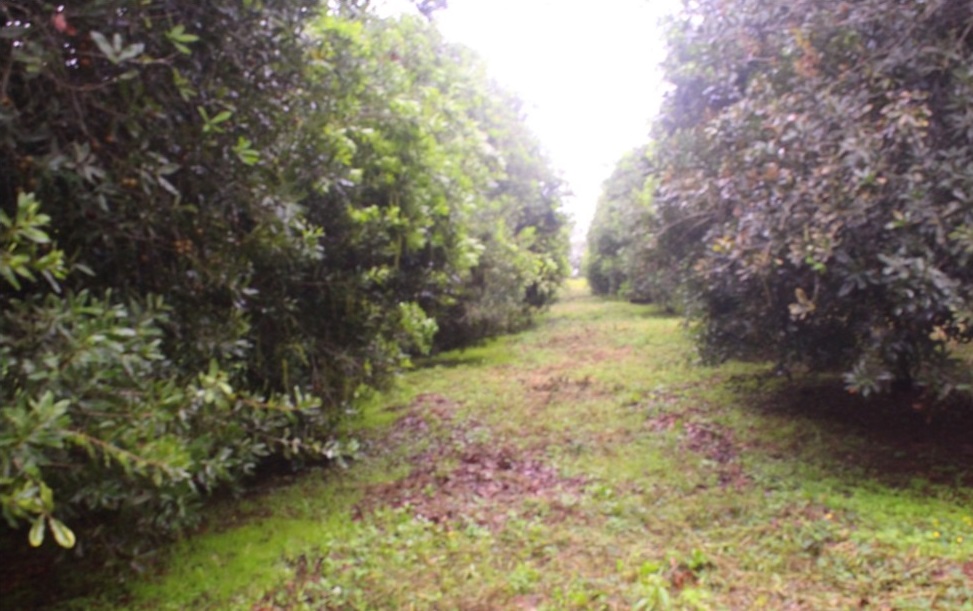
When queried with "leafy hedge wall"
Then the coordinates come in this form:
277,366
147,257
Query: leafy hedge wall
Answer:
219,223
616,232
815,194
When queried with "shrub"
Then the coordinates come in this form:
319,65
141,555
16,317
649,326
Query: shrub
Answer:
815,184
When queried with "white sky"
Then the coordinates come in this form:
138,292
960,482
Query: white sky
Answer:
586,71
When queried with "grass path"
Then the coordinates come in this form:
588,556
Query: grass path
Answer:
589,464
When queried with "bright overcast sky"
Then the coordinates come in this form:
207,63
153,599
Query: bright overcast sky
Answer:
586,71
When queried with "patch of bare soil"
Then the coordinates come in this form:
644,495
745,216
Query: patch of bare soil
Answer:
713,441
585,347
426,409
456,480
550,384
716,443
573,340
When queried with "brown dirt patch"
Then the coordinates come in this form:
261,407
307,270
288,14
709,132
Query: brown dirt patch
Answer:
716,443
454,479
585,347
573,341
713,441
549,385
664,422
426,410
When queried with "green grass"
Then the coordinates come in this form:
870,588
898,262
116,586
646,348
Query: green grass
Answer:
589,463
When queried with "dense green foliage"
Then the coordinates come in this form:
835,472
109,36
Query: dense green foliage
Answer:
518,230
617,231
815,168
223,221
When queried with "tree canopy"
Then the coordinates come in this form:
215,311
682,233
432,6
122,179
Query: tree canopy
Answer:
608,265
814,200
224,222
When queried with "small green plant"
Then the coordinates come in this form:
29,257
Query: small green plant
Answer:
524,577
25,246
654,590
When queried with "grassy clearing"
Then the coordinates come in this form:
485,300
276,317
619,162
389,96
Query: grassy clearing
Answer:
589,463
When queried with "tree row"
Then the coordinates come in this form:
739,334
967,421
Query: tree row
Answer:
222,224
807,194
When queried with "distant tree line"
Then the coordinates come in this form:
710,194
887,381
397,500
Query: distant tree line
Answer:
807,196
221,223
